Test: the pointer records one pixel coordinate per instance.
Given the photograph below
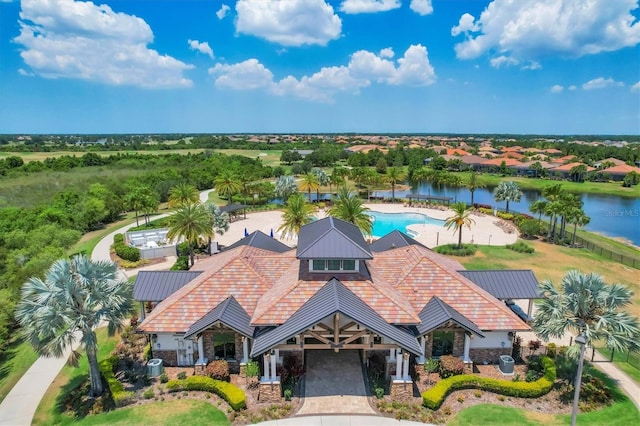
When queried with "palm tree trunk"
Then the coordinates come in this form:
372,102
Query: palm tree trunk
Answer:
507,206
393,192
460,238
575,229
137,223
472,197
94,371
191,257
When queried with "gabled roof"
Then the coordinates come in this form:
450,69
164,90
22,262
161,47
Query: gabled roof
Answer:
622,169
261,240
506,284
392,240
154,286
331,238
230,313
567,167
230,208
331,298
436,313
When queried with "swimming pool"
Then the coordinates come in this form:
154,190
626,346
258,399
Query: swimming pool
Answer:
383,223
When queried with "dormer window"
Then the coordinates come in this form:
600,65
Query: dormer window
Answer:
333,265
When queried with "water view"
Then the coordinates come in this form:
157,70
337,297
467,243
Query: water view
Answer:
383,223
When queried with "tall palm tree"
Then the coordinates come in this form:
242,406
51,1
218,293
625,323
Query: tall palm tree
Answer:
323,179
309,183
474,183
350,208
219,220
507,191
394,175
190,222
459,220
296,214
552,193
578,217
76,295
585,303
286,186
540,207
183,193
227,184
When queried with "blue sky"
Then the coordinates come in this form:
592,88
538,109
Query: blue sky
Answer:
317,66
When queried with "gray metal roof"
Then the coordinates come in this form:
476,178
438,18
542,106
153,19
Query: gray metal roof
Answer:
331,298
230,313
393,239
436,313
260,240
331,238
230,208
155,286
506,284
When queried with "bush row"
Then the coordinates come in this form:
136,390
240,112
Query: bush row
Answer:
124,251
119,395
453,250
434,397
521,247
229,392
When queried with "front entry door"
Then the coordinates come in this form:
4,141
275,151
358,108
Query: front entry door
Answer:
185,352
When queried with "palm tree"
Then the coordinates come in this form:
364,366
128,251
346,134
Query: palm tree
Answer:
227,184
76,295
459,219
394,175
219,221
183,193
350,208
474,183
190,222
552,193
296,214
578,217
286,186
309,183
507,191
540,207
585,303
323,180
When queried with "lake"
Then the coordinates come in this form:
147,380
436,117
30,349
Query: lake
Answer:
613,216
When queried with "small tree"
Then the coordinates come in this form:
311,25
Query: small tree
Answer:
459,219
507,191
430,365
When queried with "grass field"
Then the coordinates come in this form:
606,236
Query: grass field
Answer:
16,361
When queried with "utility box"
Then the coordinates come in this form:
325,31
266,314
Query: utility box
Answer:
506,364
154,367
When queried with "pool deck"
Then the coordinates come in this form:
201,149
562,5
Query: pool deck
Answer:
485,230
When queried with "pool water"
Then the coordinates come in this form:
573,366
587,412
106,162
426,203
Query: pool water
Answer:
383,223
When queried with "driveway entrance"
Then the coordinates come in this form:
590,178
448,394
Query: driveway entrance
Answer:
334,383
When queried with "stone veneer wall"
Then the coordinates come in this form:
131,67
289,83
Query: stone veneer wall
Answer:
488,355
169,358
207,342
458,343
401,391
270,392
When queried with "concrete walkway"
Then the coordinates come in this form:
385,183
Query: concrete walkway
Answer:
341,420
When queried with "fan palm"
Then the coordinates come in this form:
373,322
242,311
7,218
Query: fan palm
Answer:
323,180
474,183
219,221
76,295
296,214
585,303
227,184
309,183
183,193
459,220
507,191
286,186
394,175
350,208
190,222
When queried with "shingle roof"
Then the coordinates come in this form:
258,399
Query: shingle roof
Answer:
230,313
436,313
261,240
506,284
331,298
331,238
392,240
154,286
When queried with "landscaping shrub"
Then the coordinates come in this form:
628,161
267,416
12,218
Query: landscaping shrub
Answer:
529,228
520,247
453,250
593,392
124,251
229,392
505,216
434,397
119,395
450,366
551,350
182,264
218,370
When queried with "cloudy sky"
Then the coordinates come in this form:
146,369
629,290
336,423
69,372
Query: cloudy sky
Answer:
460,66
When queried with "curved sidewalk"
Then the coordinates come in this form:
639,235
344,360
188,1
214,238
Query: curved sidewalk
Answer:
341,420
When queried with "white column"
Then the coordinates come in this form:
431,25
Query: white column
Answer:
273,368
530,308
265,359
278,356
423,345
405,367
200,349
398,366
392,354
245,349
467,343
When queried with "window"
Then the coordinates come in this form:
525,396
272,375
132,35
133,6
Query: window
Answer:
318,265
224,346
442,343
334,265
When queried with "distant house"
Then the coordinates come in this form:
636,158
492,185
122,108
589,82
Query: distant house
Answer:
618,173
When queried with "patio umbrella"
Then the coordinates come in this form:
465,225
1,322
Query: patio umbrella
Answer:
246,234
271,233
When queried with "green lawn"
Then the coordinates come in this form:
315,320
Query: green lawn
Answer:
620,359
16,361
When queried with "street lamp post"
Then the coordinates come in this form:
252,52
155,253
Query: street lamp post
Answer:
582,341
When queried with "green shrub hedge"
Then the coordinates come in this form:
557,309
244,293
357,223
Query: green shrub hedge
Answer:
521,247
434,397
124,251
229,392
453,250
119,395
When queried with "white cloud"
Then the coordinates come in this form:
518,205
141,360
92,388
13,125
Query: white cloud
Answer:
368,6
636,87
601,83
363,69
289,23
421,7
70,39
202,47
533,65
387,52
532,29
572,87
222,12
503,61
556,88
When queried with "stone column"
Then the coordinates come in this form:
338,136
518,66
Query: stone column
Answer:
245,349
423,345
467,344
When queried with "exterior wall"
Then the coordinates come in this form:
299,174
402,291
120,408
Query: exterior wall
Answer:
270,392
169,358
401,391
489,355
492,339
458,343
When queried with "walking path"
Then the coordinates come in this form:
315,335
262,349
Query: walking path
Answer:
341,420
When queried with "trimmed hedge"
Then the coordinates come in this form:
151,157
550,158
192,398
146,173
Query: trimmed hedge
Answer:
434,397
124,251
229,392
521,247
119,395
453,250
